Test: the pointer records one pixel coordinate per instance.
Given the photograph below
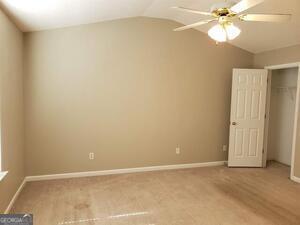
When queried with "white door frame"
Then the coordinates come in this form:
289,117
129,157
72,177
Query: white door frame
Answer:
277,67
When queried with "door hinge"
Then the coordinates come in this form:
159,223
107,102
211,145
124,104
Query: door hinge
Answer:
263,150
265,116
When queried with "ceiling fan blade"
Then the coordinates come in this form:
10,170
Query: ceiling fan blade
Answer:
194,25
244,5
192,11
266,17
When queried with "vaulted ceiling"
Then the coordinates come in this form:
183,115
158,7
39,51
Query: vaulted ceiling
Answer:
34,15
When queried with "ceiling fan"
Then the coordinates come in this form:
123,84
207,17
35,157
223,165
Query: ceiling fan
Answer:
226,13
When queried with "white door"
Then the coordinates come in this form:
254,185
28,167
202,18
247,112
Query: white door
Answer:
247,120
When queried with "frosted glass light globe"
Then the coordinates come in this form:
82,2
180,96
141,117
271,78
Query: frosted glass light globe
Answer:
224,32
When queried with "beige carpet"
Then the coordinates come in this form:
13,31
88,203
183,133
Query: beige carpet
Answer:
202,196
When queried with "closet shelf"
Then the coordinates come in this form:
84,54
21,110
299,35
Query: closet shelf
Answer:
291,90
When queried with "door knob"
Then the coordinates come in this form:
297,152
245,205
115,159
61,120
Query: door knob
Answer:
234,123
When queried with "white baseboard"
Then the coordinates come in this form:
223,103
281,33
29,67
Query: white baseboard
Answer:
296,179
122,171
11,203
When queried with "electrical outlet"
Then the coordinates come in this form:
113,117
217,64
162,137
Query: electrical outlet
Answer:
91,156
177,150
224,148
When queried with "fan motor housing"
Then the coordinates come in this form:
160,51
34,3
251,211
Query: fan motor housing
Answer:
223,9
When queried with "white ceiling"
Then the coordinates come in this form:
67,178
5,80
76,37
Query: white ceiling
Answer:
33,15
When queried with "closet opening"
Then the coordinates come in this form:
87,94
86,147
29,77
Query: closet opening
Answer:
281,115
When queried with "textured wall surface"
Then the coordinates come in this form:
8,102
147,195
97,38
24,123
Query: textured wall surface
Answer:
130,91
12,123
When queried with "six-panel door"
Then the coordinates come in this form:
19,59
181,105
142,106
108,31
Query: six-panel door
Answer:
247,120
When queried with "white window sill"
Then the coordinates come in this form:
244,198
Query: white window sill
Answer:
3,174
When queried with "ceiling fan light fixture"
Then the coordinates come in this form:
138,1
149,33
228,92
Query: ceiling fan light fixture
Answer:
224,32
232,31
229,11
218,33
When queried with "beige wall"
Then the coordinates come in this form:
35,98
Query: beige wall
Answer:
276,57
12,135
128,90
282,56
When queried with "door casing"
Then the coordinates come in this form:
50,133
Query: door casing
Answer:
276,67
